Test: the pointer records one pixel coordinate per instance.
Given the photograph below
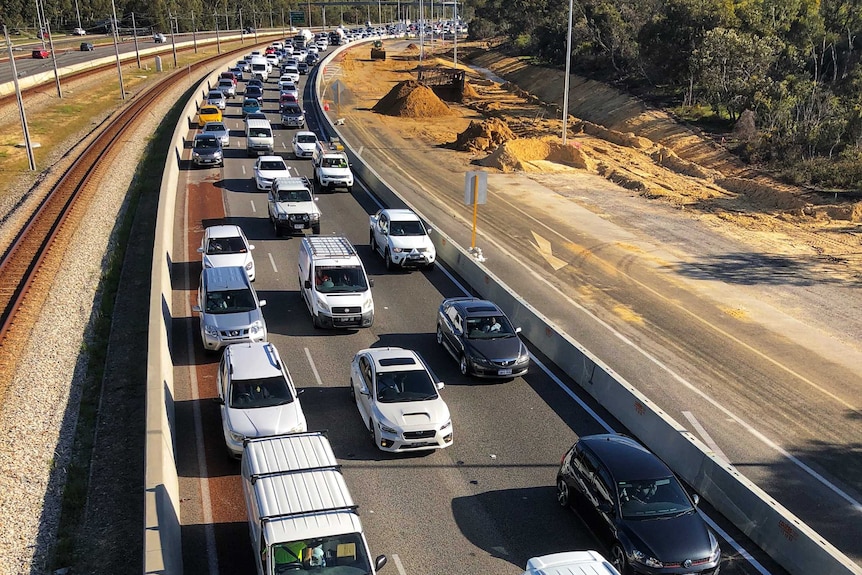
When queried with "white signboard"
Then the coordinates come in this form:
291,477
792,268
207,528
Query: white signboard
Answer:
475,182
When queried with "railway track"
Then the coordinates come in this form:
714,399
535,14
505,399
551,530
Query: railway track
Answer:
29,265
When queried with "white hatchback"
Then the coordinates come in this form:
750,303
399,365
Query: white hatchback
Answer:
304,143
398,400
256,394
226,245
267,169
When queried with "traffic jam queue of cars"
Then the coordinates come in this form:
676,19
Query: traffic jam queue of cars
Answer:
651,521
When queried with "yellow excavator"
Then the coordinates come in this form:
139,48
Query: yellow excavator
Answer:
377,51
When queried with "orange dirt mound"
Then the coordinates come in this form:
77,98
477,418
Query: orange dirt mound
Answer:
411,47
411,99
518,155
483,136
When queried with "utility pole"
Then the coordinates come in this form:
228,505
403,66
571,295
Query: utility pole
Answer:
241,29
568,73
194,32
135,36
53,55
78,14
27,144
117,50
218,40
173,43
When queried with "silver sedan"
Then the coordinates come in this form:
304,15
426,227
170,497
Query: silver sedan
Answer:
219,130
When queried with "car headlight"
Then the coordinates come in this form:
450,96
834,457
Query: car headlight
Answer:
397,250
211,330
523,354
366,305
315,217
323,305
645,559
249,266
478,359
195,155
386,428
236,437
255,328
446,425
217,154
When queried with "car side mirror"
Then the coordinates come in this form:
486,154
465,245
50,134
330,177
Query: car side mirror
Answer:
695,498
440,385
261,303
251,246
218,400
517,330
379,562
307,284
200,250
196,308
429,230
370,282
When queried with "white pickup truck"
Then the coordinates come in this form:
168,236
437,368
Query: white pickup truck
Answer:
331,167
292,208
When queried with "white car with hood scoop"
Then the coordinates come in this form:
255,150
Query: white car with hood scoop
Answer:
257,395
402,239
399,401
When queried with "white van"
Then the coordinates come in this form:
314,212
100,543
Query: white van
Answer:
260,67
333,283
258,137
301,516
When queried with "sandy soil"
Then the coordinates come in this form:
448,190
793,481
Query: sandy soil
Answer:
517,127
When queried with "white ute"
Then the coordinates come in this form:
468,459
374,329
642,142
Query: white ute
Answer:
331,167
291,207
301,515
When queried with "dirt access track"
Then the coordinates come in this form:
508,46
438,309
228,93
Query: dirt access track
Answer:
515,126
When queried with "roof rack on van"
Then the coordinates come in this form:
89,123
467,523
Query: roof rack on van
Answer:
332,246
255,476
351,508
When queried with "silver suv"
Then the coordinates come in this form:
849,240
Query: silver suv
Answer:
229,308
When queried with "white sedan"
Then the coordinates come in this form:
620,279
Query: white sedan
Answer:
304,143
224,246
398,400
402,239
267,169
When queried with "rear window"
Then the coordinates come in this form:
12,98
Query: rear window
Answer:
209,110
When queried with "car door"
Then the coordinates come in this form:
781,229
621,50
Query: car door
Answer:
223,384
605,495
453,332
380,239
362,381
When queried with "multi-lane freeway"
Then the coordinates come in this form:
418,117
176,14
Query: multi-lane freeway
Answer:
485,505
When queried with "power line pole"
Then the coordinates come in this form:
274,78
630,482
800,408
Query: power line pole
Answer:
117,50
135,36
173,43
27,144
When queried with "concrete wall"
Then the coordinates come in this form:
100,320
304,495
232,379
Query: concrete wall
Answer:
794,545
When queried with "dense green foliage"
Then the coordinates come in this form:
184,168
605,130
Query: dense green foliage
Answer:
794,63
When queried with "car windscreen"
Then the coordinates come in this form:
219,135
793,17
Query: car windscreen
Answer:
652,498
406,228
488,327
306,139
334,163
233,245
260,392
216,95
230,301
291,111
215,128
205,143
398,386
272,165
294,196
259,133
344,279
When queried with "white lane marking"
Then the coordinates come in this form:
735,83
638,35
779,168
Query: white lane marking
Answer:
243,169
206,502
253,209
739,548
706,437
272,261
313,367
398,566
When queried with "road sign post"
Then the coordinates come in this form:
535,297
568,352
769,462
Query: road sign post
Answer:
475,193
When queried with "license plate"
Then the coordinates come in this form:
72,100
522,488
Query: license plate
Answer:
504,372
298,226
353,318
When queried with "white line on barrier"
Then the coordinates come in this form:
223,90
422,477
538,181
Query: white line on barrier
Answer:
739,548
206,502
398,566
704,435
272,261
313,367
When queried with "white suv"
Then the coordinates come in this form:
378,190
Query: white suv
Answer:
402,239
223,246
570,563
257,395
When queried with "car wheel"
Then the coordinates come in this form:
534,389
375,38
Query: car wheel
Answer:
371,433
371,241
618,559
462,364
315,229
315,322
276,229
389,264
439,334
349,189
562,493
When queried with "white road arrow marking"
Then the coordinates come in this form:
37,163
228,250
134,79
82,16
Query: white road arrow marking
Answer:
544,247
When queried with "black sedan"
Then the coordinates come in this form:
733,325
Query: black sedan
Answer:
481,338
631,497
